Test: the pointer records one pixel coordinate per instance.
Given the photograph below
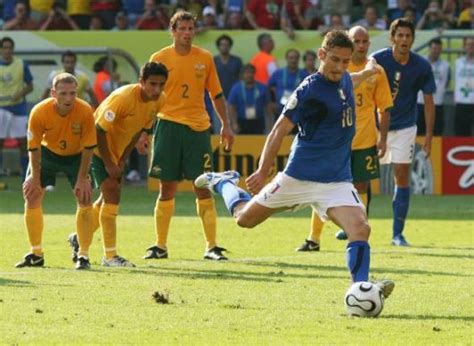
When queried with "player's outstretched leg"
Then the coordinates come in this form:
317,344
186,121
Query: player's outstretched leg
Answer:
225,184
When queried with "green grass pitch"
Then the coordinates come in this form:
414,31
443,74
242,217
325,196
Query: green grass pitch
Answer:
266,294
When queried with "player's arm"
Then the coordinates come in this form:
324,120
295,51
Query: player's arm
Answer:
429,122
32,185
371,68
83,187
112,169
128,150
384,123
227,136
233,118
282,127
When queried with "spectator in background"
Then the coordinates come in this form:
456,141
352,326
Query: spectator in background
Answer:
208,19
442,75
371,20
263,14
154,17
292,16
106,79
286,79
84,89
335,23
121,22
341,7
309,60
400,11
464,91
433,18
16,81
58,19
411,15
234,20
313,17
80,12
249,103
39,9
134,9
22,20
264,63
466,18
107,10
96,23
8,9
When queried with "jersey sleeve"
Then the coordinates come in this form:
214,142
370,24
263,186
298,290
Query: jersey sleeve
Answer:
429,85
89,137
383,95
35,130
109,112
212,83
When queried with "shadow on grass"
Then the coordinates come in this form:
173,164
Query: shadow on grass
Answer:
428,317
15,283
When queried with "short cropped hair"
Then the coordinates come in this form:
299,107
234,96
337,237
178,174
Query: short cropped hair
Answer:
69,53
7,39
262,38
292,50
401,23
64,78
249,67
179,16
436,41
225,38
153,69
309,53
337,38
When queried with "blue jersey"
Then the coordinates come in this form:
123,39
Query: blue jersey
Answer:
255,98
405,82
325,115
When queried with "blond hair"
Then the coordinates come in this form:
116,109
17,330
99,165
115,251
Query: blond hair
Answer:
64,78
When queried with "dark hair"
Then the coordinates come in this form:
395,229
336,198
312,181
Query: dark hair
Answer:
262,38
292,50
179,16
308,53
337,38
402,23
7,39
435,40
100,64
248,67
68,53
224,37
153,69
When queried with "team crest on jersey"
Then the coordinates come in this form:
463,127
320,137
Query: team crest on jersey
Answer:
7,78
109,115
76,128
292,102
199,70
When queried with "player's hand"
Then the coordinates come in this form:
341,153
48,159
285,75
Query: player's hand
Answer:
83,191
114,170
256,182
32,189
142,144
372,66
227,137
427,145
381,149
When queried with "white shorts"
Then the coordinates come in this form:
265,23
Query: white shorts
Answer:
12,126
287,192
400,146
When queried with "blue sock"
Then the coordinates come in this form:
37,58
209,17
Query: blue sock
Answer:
24,165
232,195
358,260
400,204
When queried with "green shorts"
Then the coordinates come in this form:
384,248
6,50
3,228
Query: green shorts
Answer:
180,152
52,163
365,165
98,171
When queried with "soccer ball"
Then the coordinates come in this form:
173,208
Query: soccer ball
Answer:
364,299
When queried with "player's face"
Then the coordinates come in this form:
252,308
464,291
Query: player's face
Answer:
248,76
334,62
184,33
403,40
7,51
152,87
310,62
292,59
435,51
69,63
65,95
361,44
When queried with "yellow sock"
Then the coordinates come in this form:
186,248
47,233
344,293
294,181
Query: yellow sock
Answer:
84,222
34,227
108,218
363,197
164,210
207,212
95,220
316,228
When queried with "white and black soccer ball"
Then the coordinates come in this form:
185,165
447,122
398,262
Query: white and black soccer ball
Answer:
364,299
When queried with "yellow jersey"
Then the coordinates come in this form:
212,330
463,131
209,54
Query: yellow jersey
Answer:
371,95
64,135
189,77
122,115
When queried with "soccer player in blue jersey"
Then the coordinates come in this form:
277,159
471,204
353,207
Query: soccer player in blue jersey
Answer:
408,73
318,172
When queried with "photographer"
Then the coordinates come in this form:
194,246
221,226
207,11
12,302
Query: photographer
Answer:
154,17
433,18
58,19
